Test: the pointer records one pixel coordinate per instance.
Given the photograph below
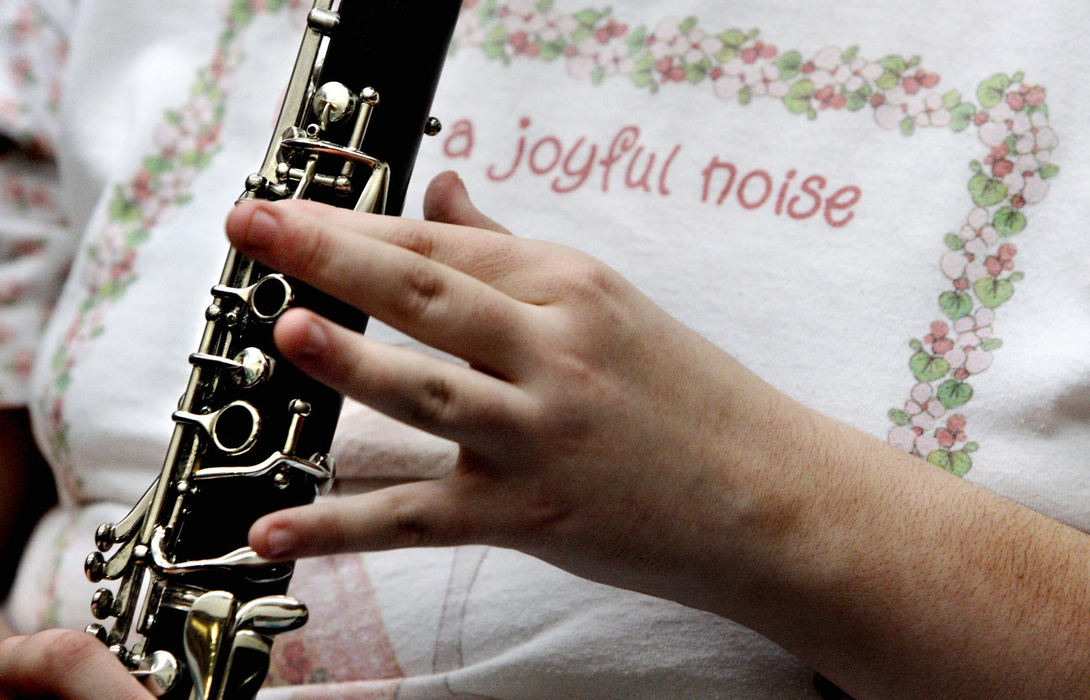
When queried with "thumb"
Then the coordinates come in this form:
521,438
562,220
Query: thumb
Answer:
446,201
422,513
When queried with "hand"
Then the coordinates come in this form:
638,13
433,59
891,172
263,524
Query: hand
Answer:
603,436
64,664
593,427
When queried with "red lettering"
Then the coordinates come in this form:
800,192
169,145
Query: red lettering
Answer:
642,182
745,181
783,191
835,202
816,196
714,165
663,189
459,144
491,170
622,143
581,173
541,170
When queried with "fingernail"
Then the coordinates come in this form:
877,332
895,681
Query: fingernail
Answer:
262,229
315,340
280,543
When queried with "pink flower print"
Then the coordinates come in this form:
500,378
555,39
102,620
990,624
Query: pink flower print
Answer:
891,108
937,338
827,59
993,133
765,80
858,73
973,329
972,361
689,47
295,665
22,71
934,112
965,266
759,49
923,408
12,292
612,59
920,79
1002,260
828,97
522,46
670,71
27,24
1025,95
21,364
612,29
726,85
953,433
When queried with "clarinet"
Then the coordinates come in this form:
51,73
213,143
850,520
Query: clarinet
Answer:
195,610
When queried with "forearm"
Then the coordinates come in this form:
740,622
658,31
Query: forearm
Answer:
26,489
896,579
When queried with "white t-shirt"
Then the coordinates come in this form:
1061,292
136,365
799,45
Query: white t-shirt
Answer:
873,205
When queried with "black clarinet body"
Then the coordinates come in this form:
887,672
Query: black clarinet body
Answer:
195,609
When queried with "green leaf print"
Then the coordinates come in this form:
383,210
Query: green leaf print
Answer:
1049,170
962,116
956,304
927,367
798,96
587,17
953,393
957,463
953,241
990,92
987,191
899,417
990,344
789,64
896,64
1009,221
733,38
993,292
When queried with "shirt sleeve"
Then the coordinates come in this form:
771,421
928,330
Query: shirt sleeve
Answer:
35,245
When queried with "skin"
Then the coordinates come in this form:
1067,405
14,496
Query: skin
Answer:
603,436
26,492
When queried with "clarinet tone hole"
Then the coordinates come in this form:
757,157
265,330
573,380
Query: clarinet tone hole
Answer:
271,296
235,428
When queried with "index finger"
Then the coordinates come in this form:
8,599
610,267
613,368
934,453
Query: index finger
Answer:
500,260
424,298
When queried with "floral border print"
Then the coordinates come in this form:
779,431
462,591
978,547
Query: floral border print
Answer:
1007,113
187,139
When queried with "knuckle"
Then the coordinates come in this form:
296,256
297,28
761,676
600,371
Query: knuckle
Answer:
588,278
434,402
412,239
420,289
62,652
328,529
409,524
310,252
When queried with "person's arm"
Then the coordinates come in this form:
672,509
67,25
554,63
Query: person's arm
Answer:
26,491
603,436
